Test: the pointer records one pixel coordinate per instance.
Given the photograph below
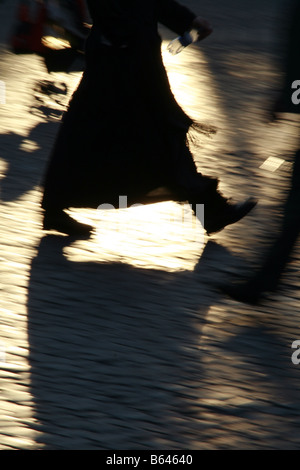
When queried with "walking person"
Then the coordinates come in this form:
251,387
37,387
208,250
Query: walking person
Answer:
268,276
124,133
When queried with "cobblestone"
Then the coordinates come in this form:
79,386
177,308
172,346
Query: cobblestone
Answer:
122,341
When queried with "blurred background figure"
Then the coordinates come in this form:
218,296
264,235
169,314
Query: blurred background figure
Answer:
268,276
54,29
70,15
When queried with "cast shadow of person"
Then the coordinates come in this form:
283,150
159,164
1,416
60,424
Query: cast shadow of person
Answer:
116,359
25,158
114,352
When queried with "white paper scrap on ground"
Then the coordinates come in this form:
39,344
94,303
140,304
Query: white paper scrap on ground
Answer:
272,164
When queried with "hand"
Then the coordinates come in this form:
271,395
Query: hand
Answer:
203,27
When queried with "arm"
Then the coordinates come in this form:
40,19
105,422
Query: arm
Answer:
179,18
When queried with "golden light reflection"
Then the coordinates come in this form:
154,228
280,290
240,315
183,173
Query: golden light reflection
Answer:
19,237
158,236
192,83
29,145
3,169
55,42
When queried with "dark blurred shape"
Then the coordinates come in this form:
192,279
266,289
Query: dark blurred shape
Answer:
28,32
36,19
291,65
267,278
64,60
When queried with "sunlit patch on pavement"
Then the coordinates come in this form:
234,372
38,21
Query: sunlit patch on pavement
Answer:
164,236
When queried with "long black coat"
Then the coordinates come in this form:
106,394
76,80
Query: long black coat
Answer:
124,133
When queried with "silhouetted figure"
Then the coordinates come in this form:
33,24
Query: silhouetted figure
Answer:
124,133
267,278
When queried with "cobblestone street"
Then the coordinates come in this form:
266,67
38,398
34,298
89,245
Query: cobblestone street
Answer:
123,341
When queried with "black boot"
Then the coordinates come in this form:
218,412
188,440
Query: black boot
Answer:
226,213
250,292
220,211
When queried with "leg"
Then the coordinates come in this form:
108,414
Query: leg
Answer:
218,210
59,184
200,189
268,276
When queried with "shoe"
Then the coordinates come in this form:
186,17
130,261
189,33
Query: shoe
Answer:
227,215
244,292
63,223
254,289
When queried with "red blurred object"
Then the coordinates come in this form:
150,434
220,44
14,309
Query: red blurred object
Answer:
29,29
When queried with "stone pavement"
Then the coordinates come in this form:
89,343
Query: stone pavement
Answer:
122,341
